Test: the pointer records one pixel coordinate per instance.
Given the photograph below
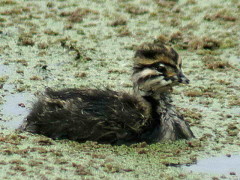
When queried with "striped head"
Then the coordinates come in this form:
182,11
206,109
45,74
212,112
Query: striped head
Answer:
157,68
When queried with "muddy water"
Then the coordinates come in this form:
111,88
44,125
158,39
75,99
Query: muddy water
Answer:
222,165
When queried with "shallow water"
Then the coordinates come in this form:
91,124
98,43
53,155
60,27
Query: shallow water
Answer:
15,109
4,69
223,165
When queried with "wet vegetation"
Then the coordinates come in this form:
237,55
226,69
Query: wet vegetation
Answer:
64,43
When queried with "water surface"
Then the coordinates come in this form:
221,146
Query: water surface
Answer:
14,109
222,165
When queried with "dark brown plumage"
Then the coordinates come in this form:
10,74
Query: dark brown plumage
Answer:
80,115
113,117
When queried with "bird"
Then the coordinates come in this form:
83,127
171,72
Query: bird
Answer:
111,117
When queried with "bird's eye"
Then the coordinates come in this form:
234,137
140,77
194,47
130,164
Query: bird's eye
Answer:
161,68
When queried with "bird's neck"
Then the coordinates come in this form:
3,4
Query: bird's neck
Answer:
155,104
156,109
157,101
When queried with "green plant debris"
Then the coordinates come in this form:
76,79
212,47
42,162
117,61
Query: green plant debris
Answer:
67,44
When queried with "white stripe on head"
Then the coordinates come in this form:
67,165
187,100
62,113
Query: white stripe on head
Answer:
144,73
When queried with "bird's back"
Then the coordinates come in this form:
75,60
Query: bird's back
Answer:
88,114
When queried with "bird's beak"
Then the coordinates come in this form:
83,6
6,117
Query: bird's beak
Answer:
182,78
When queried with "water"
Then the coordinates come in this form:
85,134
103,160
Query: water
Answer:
16,106
15,109
3,70
222,165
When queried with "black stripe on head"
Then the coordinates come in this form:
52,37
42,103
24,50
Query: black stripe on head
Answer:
151,51
148,77
140,67
174,55
158,65
148,54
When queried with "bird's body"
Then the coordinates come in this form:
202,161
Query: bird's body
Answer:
88,114
108,116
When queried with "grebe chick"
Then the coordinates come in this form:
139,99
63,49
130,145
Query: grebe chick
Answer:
113,117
